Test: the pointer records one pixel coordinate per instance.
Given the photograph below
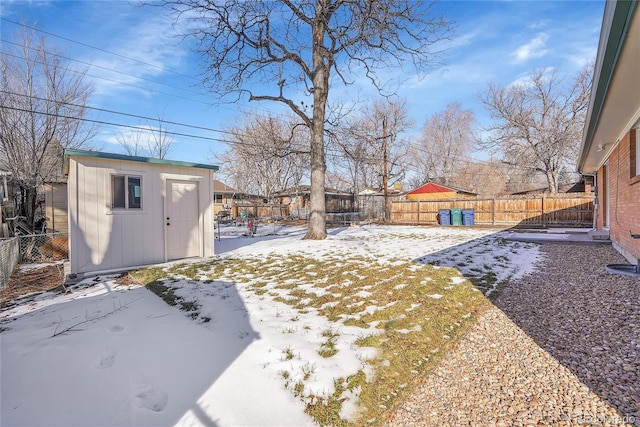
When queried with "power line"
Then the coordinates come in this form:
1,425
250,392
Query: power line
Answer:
166,132
96,48
102,122
122,114
119,72
89,64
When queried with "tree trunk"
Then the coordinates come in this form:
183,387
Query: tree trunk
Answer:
385,172
552,181
317,223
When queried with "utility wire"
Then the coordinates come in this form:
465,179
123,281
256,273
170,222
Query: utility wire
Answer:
89,64
117,71
96,48
121,113
102,122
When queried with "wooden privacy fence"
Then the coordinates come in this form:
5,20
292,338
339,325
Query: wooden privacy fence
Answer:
545,211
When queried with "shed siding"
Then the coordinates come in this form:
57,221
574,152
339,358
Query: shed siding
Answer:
104,239
434,196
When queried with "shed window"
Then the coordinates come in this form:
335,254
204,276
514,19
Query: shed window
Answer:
126,192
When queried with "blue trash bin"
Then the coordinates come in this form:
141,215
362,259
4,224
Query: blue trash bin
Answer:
444,217
468,217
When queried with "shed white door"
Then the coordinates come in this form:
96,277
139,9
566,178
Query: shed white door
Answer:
182,229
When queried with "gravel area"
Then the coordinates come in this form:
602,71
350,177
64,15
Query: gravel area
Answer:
559,347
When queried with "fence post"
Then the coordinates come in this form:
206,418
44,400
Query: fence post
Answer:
544,218
418,211
493,211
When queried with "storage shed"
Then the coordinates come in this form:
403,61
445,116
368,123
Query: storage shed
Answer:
127,211
433,191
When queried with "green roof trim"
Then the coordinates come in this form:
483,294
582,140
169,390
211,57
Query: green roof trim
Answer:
86,153
620,19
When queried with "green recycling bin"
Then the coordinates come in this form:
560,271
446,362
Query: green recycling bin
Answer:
456,216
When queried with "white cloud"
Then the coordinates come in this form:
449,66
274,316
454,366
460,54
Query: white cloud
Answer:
145,47
536,48
526,80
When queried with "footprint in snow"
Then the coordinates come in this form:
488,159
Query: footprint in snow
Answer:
107,360
147,395
116,328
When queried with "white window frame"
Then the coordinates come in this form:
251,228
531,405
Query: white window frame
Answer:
126,206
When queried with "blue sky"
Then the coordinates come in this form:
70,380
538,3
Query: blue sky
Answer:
137,65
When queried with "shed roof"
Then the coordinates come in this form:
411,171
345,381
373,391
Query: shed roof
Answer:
86,153
431,187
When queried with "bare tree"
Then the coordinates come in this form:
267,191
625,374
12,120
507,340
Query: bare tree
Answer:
42,104
373,152
445,144
485,178
539,122
154,142
285,51
134,141
266,155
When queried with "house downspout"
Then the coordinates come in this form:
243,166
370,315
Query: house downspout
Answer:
595,203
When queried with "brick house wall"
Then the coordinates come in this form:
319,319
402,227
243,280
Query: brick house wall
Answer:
623,192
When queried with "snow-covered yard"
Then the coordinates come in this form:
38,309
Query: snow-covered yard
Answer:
274,323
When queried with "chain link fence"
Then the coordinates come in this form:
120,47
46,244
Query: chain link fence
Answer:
33,249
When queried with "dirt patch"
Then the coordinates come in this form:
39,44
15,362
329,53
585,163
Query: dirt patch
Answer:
56,249
126,279
27,281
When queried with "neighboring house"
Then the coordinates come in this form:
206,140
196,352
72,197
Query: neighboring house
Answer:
610,148
223,196
433,191
127,211
298,200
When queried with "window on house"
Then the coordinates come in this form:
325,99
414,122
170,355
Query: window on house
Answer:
635,152
218,198
126,192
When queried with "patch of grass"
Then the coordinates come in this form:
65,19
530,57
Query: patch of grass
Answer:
298,389
307,371
326,411
168,295
485,282
288,354
165,292
149,275
372,340
417,313
328,348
